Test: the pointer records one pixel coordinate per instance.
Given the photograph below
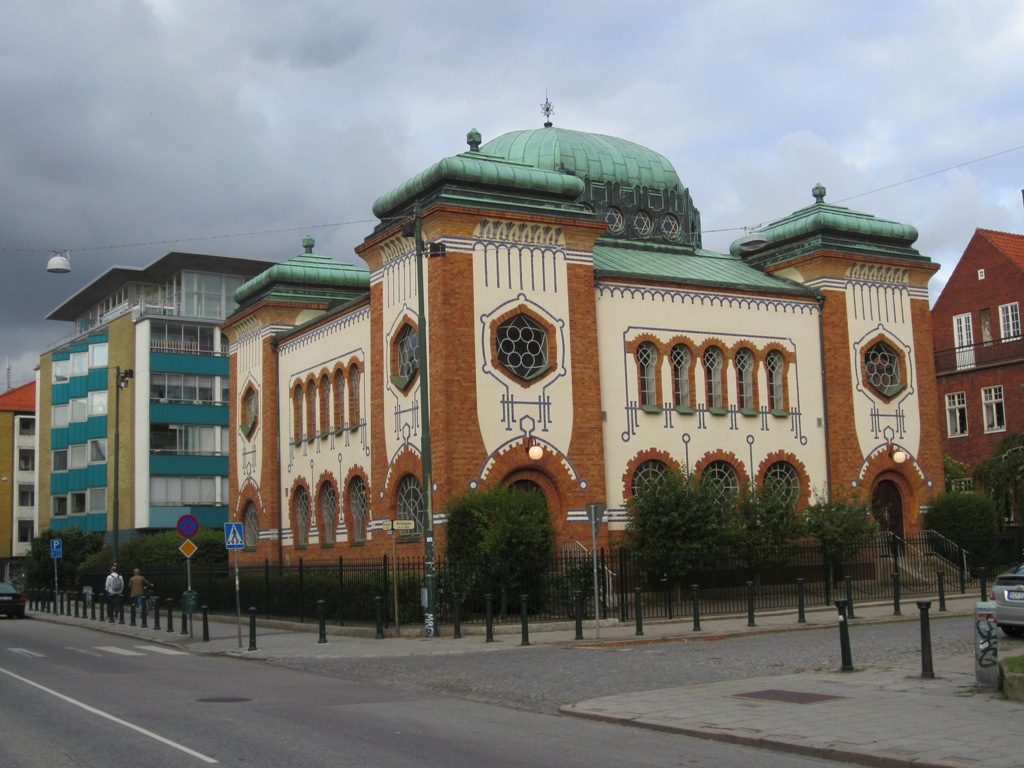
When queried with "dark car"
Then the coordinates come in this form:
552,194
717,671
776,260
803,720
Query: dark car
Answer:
12,602
1008,593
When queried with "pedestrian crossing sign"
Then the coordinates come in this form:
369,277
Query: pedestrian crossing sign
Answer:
233,538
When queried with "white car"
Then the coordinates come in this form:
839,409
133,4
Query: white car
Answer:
1008,594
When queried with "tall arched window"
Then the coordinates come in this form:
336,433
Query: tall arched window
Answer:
354,394
713,376
301,510
681,376
251,527
325,405
782,479
410,501
328,513
745,379
340,405
646,363
647,472
775,364
357,505
298,400
723,476
311,409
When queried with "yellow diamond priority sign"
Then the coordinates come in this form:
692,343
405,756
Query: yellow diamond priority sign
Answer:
188,548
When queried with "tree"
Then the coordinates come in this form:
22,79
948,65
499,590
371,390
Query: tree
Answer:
500,538
969,520
1001,476
162,548
676,521
76,546
954,470
844,525
766,517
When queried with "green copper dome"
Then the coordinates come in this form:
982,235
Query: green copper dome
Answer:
305,275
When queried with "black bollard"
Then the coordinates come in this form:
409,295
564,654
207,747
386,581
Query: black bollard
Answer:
321,617
170,615
456,619
639,612
103,607
750,604
577,609
119,602
849,597
801,618
252,627
378,609
926,639
92,608
942,590
525,620
133,624
145,612
844,637
696,607
982,576
489,602
156,614
206,623
60,596
896,595
76,607
184,620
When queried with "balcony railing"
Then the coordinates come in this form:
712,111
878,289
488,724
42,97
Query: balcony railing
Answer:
984,354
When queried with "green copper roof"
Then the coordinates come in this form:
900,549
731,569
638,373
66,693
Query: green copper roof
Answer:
308,273
474,168
699,267
588,155
823,225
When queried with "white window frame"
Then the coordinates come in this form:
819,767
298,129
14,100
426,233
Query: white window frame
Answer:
963,340
994,409
1009,321
97,500
98,355
956,414
78,456
60,416
97,405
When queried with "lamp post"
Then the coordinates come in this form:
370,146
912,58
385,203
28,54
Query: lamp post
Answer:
429,573
120,382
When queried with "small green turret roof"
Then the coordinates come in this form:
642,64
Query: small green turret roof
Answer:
824,225
308,275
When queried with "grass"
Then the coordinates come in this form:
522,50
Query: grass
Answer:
1014,664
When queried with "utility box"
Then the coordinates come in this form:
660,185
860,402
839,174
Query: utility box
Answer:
986,644
189,602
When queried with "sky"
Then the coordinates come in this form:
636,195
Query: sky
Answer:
133,128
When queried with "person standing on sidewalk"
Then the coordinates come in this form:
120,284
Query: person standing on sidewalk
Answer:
114,589
137,590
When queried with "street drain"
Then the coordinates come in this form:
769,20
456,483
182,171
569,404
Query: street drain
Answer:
223,700
787,697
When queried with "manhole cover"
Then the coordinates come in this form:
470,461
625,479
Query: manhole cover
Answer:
223,700
787,697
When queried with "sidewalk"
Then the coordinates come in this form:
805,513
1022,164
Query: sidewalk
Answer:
884,715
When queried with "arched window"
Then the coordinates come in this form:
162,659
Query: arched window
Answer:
713,377
681,376
745,379
723,476
297,402
251,528
782,478
776,365
354,394
328,513
311,409
357,506
340,406
410,501
646,363
325,405
647,472
301,510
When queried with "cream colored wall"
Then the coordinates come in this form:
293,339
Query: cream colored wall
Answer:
317,350
248,456
625,313
138,390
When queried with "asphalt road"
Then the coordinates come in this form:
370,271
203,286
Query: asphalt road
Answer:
76,697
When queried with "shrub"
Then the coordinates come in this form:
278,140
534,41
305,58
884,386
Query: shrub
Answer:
969,520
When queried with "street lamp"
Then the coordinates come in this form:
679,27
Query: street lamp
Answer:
120,382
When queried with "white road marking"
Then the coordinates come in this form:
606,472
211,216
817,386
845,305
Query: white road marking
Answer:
117,650
162,649
119,721
26,652
83,651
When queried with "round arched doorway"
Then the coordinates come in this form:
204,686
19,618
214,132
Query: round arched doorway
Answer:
887,507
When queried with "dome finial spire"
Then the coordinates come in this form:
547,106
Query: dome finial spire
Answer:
547,109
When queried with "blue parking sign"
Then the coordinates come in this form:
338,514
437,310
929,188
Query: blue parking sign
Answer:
56,548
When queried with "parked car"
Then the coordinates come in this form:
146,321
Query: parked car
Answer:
1008,594
12,602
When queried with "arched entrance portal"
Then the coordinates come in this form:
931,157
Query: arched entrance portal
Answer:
887,507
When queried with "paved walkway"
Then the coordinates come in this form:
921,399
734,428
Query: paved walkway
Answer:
884,715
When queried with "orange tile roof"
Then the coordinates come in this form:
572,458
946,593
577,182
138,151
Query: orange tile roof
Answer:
1010,244
21,398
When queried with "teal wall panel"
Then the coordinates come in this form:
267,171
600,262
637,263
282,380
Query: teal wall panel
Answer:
77,479
200,466
58,483
208,517
167,362
60,394
179,413
96,475
59,439
96,426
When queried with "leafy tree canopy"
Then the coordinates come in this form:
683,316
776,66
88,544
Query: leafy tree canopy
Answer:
161,548
969,520
1001,476
844,524
76,547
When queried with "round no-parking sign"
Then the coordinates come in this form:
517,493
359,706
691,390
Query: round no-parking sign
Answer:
188,525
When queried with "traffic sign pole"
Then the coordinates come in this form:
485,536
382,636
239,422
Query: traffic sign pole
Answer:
234,538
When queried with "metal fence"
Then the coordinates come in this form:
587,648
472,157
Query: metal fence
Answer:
725,582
